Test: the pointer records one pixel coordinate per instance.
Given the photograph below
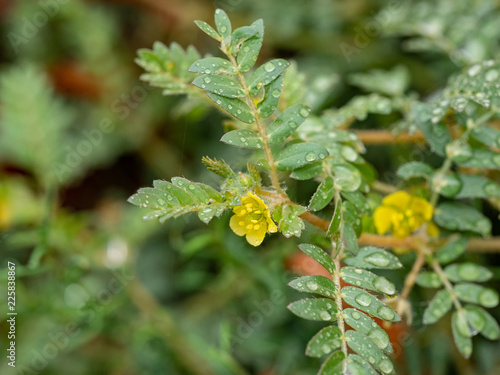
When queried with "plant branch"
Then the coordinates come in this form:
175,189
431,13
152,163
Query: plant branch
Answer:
477,245
383,137
337,254
446,282
410,279
258,122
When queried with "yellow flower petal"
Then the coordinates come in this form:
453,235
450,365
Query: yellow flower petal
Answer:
383,219
255,237
237,225
421,207
271,227
253,219
399,199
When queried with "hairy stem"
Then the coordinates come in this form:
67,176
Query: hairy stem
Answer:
410,279
337,254
446,282
259,123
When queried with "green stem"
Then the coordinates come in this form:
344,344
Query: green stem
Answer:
337,254
446,282
259,123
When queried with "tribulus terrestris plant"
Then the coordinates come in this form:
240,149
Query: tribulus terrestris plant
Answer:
430,214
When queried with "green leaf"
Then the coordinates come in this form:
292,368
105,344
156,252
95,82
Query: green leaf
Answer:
437,136
324,342
36,128
199,194
168,67
367,280
368,303
438,307
429,280
372,257
347,177
367,326
477,158
452,250
334,365
319,255
182,196
467,272
322,309
250,48
483,322
314,284
358,200
212,65
243,138
336,219
462,341
265,74
323,195
222,23
457,216
308,171
235,107
359,366
221,85
206,28
448,187
290,224
349,237
299,154
361,345
477,294
358,108
239,36
287,122
477,187
415,169
392,83
272,93
487,135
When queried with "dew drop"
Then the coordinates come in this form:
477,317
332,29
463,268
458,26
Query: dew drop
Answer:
312,285
474,70
356,315
161,202
223,29
363,299
359,271
269,67
385,366
310,156
207,71
488,298
207,80
326,349
468,272
379,337
191,187
304,112
325,315
371,359
384,285
276,93
377,259
386,313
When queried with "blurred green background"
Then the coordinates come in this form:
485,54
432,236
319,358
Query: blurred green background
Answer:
101,292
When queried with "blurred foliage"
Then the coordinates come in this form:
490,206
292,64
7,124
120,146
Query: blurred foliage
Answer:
100,292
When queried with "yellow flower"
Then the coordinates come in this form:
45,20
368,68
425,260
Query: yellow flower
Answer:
402,214
252,218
